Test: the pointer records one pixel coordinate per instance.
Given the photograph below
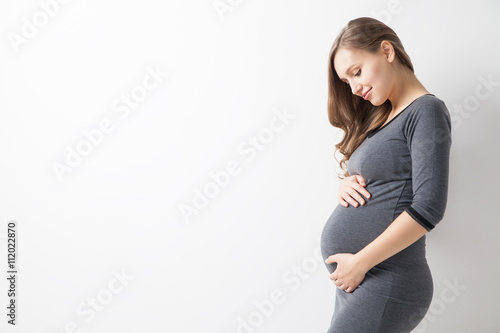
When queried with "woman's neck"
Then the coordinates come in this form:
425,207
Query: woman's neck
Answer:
406,89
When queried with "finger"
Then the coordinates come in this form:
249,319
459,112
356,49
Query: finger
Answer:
356,195
347,197
362,190
360,180
360,187
331,259
342,201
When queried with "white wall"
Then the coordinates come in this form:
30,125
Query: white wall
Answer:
118,208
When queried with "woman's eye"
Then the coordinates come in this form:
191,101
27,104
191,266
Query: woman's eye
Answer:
358,73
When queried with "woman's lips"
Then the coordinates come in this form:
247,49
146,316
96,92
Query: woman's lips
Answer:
367,94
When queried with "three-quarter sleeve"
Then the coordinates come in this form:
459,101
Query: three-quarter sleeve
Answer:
428,134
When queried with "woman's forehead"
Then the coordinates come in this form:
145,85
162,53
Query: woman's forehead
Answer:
345,57
344,54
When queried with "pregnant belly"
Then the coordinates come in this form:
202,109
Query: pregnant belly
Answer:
349,229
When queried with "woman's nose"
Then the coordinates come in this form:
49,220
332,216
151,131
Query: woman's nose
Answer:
357,89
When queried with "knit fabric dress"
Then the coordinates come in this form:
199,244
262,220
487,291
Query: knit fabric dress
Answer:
405,165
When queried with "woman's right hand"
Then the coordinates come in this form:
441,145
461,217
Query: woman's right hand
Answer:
349,188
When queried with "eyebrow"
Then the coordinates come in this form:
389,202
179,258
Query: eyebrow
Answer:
347,70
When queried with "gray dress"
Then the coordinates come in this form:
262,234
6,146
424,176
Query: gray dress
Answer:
405,165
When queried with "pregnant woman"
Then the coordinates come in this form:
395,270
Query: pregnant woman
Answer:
396,145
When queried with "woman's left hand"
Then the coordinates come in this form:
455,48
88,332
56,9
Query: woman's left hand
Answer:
349,272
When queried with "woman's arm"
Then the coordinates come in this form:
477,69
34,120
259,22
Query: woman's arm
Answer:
429,141
400,234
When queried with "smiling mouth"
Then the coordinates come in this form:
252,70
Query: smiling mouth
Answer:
366,93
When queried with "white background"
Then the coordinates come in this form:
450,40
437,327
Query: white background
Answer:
229,73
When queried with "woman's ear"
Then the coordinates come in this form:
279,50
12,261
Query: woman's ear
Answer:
387,50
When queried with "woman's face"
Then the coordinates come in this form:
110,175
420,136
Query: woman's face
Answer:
366,72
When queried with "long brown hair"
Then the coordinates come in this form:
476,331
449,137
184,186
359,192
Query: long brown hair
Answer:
351,113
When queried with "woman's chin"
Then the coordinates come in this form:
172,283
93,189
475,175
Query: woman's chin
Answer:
376,102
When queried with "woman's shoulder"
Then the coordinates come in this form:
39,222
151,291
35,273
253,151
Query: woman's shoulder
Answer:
427,114
428,105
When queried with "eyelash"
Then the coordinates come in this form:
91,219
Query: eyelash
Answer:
358,72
